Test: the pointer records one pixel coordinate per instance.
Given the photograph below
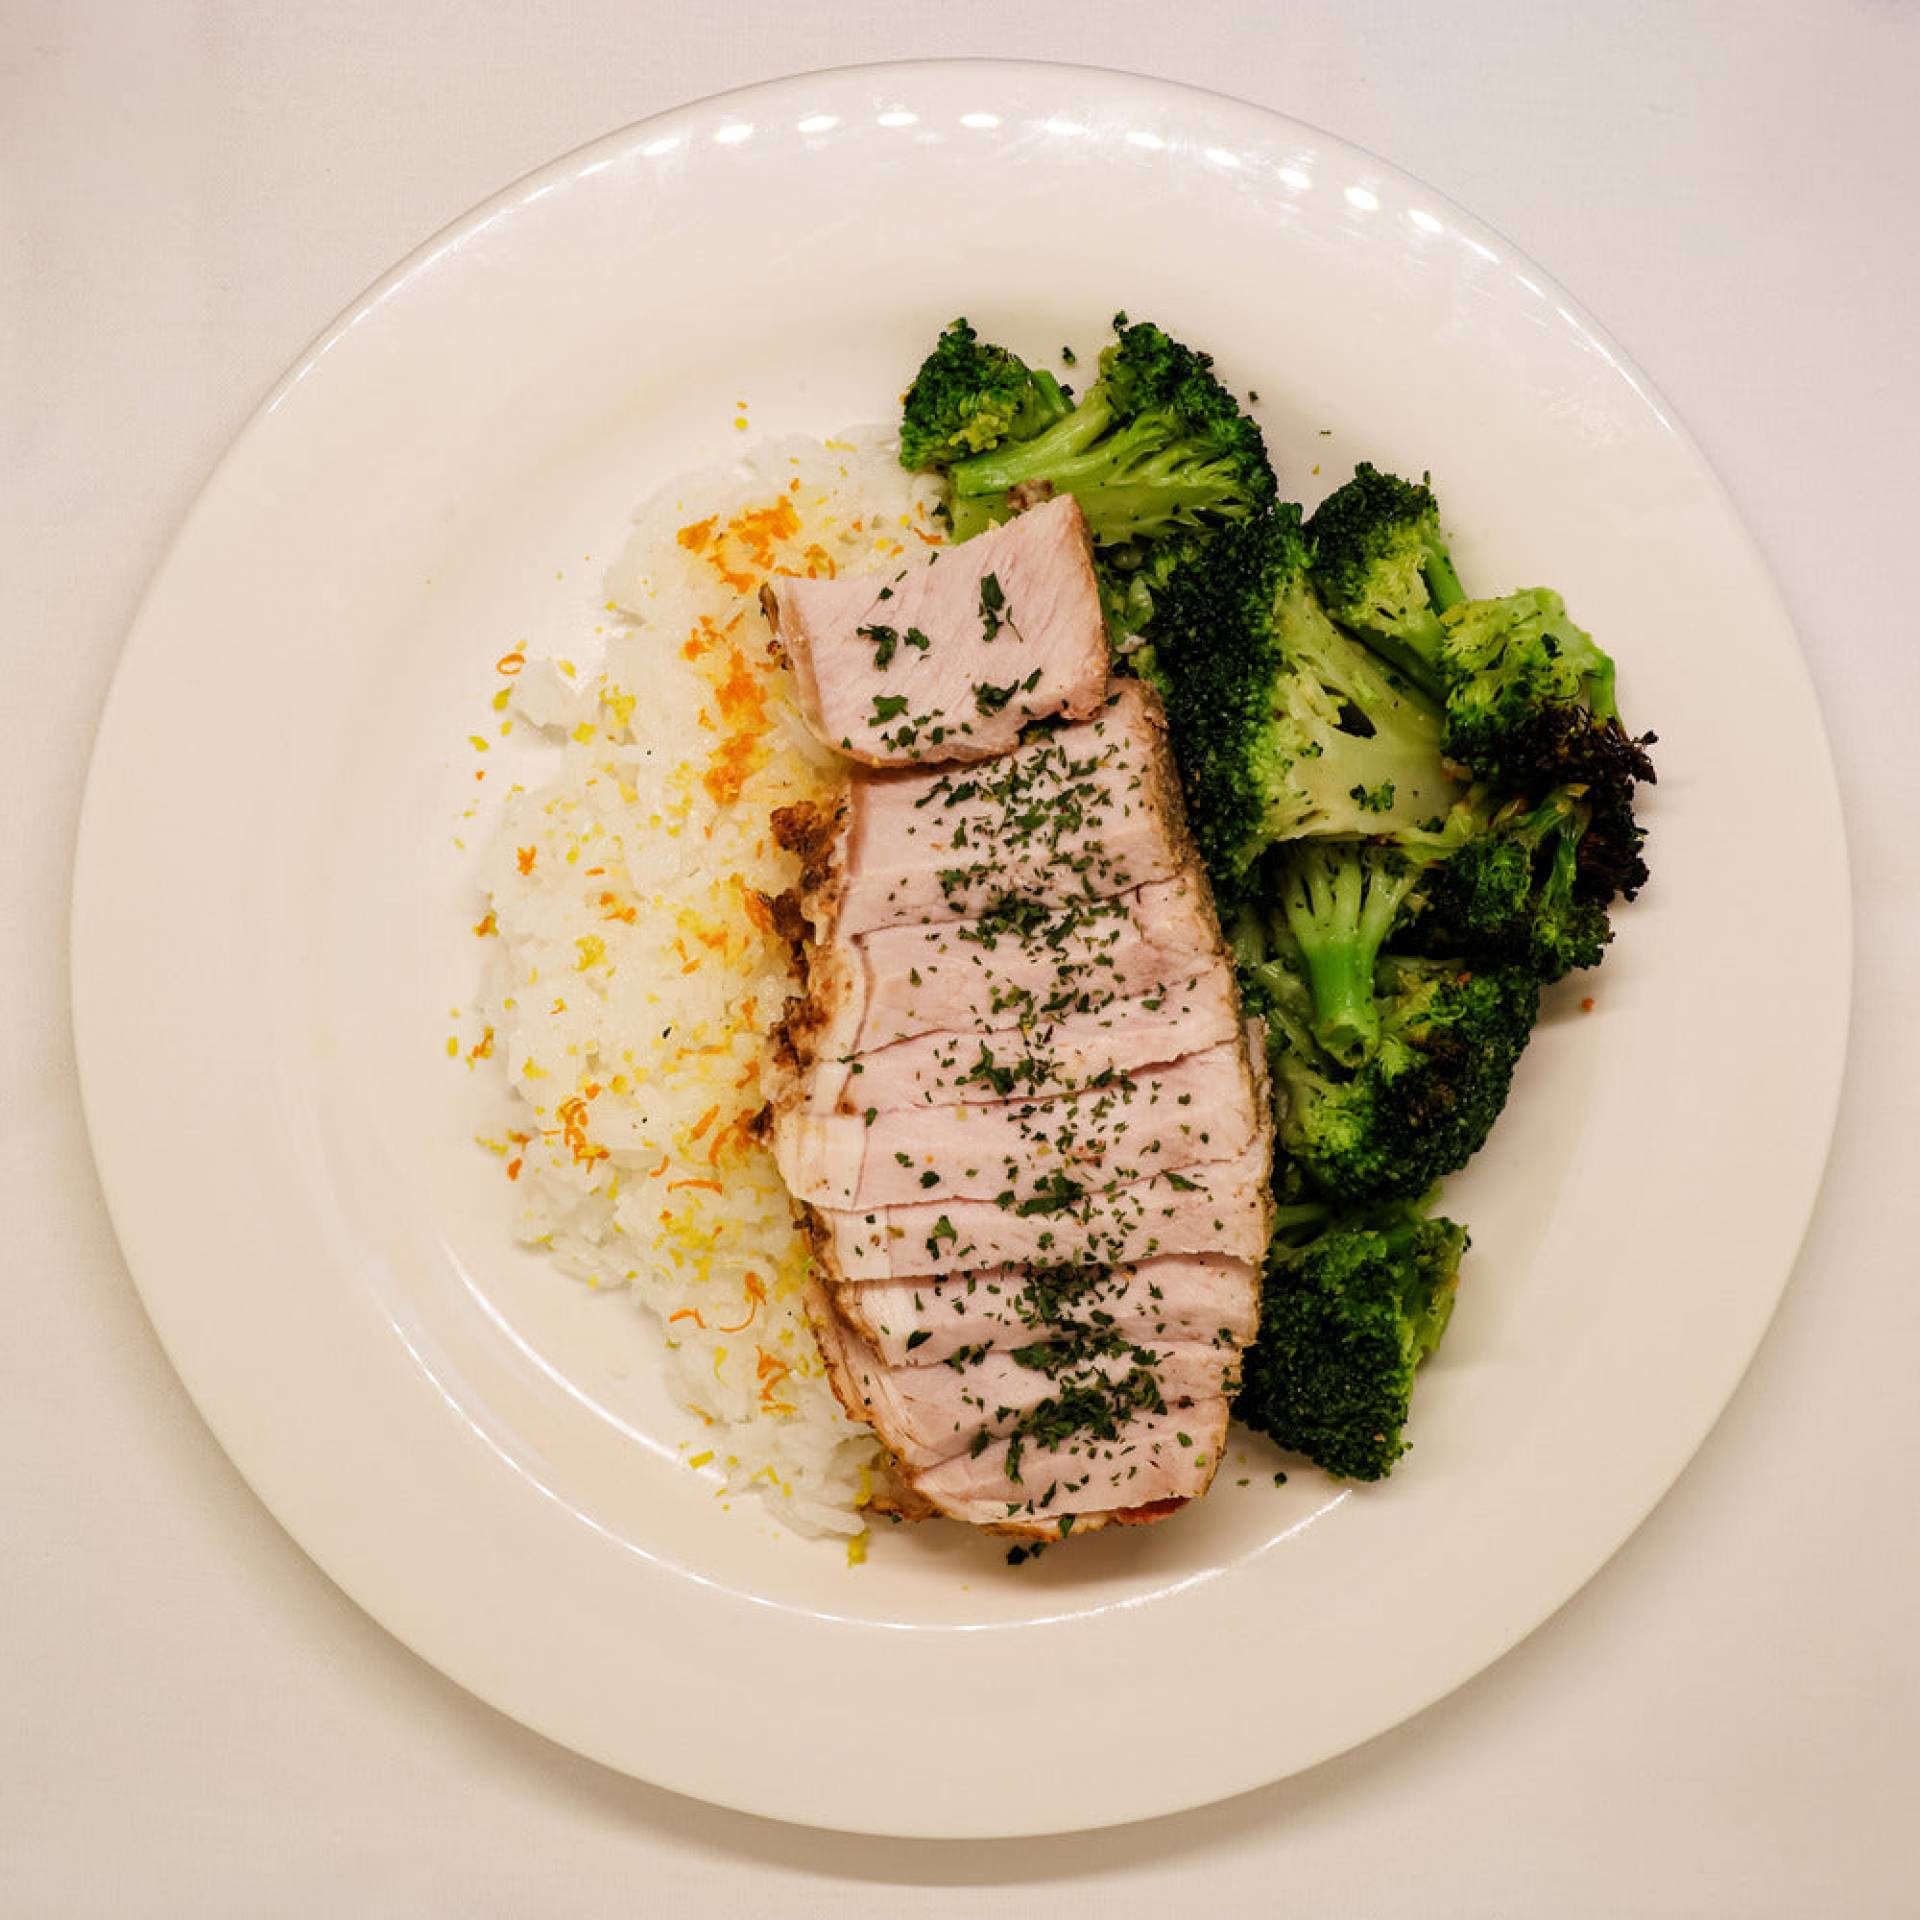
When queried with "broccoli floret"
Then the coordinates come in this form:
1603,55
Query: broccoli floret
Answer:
1530,707
1282,725
1512,893
1344,1322
969,396
1131,579
1421,1104
1341,901
1528,695
1155,445
1382,566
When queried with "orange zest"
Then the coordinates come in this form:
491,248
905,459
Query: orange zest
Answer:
756,1299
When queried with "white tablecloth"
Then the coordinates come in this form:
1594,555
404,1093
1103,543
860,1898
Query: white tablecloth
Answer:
192,1720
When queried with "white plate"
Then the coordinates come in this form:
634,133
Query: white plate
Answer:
270,927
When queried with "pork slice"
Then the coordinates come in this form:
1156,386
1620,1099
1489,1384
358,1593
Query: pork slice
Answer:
1165,1117
1036,1058
1174,1298
1221,1206
1076,814
947,660
1128,1465
927,1414
1157,1462
900,982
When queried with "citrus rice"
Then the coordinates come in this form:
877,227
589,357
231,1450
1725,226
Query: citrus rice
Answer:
635,974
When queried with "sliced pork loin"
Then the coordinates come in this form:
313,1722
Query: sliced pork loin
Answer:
947,660
1120,1126
1038,1059
977,1443
1149,1469
1069,966
1077,814
929,1413
1168,1300
1220,1206
1024,1123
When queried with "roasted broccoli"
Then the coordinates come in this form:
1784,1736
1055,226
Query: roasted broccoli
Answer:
1383,569
1344,1322
1513,893
1281,724
1528,696
1155,445
1421,1103
1341,901
969,396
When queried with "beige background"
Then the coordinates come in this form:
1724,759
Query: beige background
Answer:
193,1720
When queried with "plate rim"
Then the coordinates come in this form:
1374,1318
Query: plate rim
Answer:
90,835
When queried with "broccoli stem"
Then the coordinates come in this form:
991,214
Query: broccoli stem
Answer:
968,517
1341,902
1246,938
1052,394
1299,1221
1049,455
1443,584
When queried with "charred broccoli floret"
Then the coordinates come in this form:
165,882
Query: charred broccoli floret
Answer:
1345,1321
1513,893
1422,1102
1528,695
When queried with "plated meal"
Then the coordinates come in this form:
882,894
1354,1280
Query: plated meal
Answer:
1023,920
555,1412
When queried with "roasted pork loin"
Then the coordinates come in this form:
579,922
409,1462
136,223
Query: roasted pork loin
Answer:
1015,1103
949,660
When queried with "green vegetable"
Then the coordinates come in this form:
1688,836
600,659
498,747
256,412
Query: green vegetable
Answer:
1528,696
1383,569
969,396
1283,726
1513,892
1340,902
1345,1321
1420,1103
1156,444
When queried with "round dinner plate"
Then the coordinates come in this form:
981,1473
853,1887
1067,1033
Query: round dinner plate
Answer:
272,942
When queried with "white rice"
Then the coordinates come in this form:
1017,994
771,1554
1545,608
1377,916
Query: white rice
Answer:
635,977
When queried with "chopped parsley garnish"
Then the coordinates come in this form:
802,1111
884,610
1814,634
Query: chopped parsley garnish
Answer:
993,609
885,644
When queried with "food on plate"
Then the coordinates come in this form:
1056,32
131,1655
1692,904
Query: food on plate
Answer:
1348,1315
931,662
1045,1136
1155,449
634,976
1021,921
1416,808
